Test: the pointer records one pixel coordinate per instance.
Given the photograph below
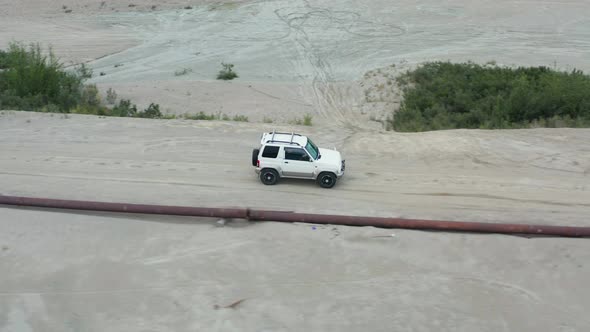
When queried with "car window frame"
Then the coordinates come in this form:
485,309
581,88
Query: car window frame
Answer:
278,152
297,148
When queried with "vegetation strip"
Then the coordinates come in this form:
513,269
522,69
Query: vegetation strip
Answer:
444,95
33,81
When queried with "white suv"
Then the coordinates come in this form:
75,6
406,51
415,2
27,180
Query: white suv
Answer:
290,155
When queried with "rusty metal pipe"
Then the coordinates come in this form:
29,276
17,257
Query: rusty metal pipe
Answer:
125,207
280,216
437,225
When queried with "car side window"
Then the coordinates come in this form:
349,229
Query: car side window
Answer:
296,154
270,151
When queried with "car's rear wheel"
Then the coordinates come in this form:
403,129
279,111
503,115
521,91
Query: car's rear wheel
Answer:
326,180
269,176
255,153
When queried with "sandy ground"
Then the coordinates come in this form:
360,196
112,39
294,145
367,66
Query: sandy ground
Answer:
530,175
91,272
333,60
83,272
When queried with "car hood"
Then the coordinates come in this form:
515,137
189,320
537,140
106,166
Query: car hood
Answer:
330,157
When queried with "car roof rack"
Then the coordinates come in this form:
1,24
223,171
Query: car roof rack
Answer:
278,141
283,133
273,140
270,137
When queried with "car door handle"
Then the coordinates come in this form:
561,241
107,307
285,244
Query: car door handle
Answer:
286,162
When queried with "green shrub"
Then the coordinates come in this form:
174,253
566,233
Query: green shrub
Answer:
124,109
84,72
240,118
200,116
307,120
218,116
32,80
152,112
3,60
183,71
227,72
442,95
50,108
91,110
90,96
111,96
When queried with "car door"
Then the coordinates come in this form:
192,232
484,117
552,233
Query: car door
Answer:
297,163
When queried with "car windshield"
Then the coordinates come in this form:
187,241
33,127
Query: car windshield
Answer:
313,150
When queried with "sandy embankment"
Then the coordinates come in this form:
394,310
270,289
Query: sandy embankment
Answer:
313,52
139,273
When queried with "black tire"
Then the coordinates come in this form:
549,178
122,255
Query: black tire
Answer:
255,153
326,180
269,176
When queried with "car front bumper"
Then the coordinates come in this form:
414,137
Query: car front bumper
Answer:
340,173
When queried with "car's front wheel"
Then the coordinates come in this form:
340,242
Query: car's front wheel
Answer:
326,180
269,176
